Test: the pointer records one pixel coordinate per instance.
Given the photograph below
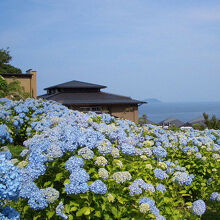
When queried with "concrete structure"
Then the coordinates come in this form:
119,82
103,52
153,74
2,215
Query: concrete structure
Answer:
28,81
86,97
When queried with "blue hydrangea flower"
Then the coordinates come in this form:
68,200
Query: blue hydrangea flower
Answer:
183,178
105,148
73,163
154,210
28,188
35,170
5,135
215,196
159,152
60,211
98,187
160,217
54,151
10,180
147,200
24,152
161,188
199,207
38,201
107,118
160,174
79,176
135,189
148,187
198,155
128,149
147,151
76,188
9,213
6,154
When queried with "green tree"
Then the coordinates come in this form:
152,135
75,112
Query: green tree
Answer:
212,123
12,90
3,87
197,126
142,120
173,127
5,58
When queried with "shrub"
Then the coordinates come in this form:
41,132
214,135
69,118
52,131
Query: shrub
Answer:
89,166
212,123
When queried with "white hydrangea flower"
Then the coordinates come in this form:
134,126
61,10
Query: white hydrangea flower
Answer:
121,177
144,208
103,173
101,161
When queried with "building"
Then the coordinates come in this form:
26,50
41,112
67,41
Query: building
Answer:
172,121
28,81
86,97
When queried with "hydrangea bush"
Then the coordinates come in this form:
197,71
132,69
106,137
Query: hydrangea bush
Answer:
78,165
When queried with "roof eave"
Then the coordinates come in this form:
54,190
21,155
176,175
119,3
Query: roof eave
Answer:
141,103
21,75
102,103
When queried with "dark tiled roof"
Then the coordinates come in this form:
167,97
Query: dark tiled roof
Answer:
18,75
76,84
92,98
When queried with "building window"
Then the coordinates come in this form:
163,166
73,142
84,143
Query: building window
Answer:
96,109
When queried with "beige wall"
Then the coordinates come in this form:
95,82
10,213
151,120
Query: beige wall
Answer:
34,84
29,83
126,112
129,112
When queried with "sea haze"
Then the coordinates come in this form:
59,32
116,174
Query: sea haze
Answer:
184,111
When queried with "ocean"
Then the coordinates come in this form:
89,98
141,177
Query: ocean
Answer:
184,111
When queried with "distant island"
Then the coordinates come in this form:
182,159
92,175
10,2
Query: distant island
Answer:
152,100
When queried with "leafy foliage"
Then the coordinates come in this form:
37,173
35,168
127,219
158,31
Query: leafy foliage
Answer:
151,172
198,126
212,123
5,58
3,87
143,120
12,90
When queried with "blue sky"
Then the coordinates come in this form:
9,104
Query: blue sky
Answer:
163,49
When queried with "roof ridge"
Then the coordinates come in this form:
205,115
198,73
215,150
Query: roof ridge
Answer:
81,84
